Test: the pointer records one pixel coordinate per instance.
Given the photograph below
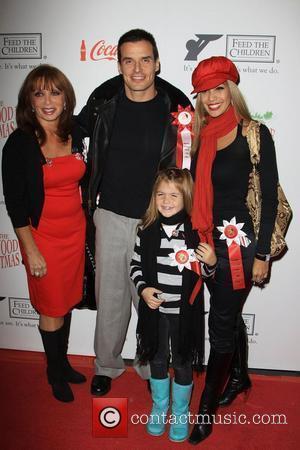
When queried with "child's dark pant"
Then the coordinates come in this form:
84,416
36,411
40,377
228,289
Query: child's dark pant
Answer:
168,333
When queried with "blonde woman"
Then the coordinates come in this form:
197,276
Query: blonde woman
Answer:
222,219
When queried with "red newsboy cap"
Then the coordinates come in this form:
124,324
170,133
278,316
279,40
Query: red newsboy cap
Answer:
213,71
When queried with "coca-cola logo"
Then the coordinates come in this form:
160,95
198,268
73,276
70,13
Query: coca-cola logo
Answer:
9,252
7,120
98,51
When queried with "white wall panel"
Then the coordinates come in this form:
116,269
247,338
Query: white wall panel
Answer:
271,89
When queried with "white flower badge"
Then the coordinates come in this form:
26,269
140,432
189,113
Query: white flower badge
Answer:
232,232
182,257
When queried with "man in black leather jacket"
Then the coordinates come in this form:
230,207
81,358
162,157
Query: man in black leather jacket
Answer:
129,122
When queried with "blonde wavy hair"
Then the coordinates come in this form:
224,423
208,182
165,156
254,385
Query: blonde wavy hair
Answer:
240,107
183,182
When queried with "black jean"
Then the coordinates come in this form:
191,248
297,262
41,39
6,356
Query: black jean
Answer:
159,365
226,304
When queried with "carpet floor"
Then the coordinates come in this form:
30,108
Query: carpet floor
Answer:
31,419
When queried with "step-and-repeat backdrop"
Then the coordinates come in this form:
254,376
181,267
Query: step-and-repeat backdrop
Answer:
80,38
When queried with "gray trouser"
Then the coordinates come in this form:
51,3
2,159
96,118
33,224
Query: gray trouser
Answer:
115,239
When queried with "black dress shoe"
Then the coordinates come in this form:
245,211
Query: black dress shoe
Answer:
101,385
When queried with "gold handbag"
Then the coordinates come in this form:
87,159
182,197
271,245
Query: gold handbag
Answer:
284,211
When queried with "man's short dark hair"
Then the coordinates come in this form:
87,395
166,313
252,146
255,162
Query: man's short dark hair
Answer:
137,35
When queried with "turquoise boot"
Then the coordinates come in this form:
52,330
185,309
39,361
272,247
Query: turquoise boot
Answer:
179,420
160,390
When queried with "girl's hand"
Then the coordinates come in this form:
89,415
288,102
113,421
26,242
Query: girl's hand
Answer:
37,264
206,254
148,295
260,271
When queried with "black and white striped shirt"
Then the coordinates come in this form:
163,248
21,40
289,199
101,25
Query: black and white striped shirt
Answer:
168,275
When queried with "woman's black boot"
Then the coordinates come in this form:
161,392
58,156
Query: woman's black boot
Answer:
71,375
239,380
216,374
60,388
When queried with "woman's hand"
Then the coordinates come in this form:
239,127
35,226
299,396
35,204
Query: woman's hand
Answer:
206,254
36,261
148,295
260,271
37,264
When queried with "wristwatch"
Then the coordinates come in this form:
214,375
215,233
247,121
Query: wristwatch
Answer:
263,257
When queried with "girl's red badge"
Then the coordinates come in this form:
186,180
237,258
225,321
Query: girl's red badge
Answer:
182,257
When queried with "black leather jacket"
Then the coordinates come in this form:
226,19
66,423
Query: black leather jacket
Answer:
97,118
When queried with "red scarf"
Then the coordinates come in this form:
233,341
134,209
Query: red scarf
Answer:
202,212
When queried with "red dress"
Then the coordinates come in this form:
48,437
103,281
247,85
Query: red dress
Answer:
60,237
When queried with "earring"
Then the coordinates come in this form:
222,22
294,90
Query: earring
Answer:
65,106
32,109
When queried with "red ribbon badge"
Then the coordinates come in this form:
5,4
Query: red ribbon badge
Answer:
195,266
184,257
235,237
183,119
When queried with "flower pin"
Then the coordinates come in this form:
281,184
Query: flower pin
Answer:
232,232
182,257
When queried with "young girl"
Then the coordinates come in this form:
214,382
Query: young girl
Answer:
164,270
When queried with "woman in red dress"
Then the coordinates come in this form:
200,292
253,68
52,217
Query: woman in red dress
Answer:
42,166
